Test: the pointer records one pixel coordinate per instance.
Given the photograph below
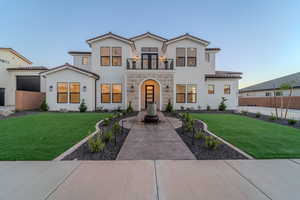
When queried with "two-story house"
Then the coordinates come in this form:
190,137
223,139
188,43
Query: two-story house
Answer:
139,70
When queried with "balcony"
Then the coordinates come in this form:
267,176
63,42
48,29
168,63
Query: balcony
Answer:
150,64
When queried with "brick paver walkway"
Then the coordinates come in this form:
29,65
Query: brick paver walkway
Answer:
154,141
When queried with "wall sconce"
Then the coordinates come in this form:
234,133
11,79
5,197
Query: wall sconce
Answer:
51,88
84,88
132,87
167,86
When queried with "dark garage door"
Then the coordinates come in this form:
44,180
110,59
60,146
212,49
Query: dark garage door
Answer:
2,96
28,83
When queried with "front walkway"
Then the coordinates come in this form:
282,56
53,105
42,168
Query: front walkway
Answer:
292,114
151,180
154,141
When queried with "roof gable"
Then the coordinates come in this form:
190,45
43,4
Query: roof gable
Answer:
73,68
107,36
190,37
11,50
148,34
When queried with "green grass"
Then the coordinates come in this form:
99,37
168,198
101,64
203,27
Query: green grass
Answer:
44,136
262,140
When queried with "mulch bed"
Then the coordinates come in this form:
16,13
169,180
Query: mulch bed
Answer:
111,149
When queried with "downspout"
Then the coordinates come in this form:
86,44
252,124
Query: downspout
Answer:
96,95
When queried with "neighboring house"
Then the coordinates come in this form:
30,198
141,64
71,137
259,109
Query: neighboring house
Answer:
146,68
16,73
262,94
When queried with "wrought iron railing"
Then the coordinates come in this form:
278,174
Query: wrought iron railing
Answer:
137,64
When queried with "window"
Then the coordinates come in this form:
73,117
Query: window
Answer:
116,56
116,93
62,92
211,89
74,92
191,93
180,93
278,93
226,89
85,60
28,83
191,57
180,57
105,56
105,93
268,94
207,57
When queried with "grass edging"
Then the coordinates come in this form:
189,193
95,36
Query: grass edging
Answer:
205,128
73,148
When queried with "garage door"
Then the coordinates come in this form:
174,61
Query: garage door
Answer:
1,96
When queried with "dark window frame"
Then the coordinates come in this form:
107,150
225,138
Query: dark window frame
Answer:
101,61
191,93
112,57
71,93
116,93
225,89
191,57
212,90
181,93
102,94
181,57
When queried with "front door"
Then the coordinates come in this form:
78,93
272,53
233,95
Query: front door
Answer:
2,96
149,61
149,94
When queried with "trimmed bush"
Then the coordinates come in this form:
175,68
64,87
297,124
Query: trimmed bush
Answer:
222,106
272,117
208,107
169,107
44,106
292,122
82,107
258,115
129,108
108,136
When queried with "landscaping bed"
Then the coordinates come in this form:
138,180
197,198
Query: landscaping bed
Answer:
198,145
112,146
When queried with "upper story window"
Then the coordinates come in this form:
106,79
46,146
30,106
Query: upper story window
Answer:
116,56
191,57
180,57
226,89
207,57
186,57
85,60
211,89
105,56
111,56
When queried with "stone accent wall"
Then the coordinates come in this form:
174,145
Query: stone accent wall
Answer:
137,78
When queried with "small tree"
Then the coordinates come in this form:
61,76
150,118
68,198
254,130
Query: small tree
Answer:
44,106
129,108
287,86
169,107
82,107
222,106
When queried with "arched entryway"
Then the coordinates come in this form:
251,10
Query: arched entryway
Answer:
150,92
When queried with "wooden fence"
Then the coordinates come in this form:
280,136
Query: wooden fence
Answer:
26,100
270,101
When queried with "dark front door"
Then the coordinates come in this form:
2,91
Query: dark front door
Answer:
2,96
149,94
149,61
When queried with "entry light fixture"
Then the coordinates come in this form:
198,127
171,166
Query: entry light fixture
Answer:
51,88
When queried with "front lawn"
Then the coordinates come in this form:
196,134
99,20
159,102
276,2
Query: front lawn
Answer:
258,138
44,136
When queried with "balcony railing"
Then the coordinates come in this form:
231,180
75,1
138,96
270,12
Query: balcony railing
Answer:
134,64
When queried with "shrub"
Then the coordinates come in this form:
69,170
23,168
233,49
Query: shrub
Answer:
181,107
244,112
272,117
189,124
169,107
106,121
258,115
96,144
116,128
129,108
108,136
292,122
222,106
199,135
211,142
44,106
82,107
208,108
119,108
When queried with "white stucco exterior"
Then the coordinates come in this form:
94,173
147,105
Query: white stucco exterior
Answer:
132,79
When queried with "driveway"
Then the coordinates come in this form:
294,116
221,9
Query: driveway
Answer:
151,180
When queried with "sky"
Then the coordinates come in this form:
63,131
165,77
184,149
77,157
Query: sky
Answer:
260,38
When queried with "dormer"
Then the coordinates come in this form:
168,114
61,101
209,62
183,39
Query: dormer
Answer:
210,56
81,59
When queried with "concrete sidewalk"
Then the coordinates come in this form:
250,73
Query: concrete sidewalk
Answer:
136,180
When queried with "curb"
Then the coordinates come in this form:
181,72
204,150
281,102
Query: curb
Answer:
73,148
205,128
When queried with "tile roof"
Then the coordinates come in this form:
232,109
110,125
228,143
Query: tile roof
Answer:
27,68
148,33
293,79
224,74
80,52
